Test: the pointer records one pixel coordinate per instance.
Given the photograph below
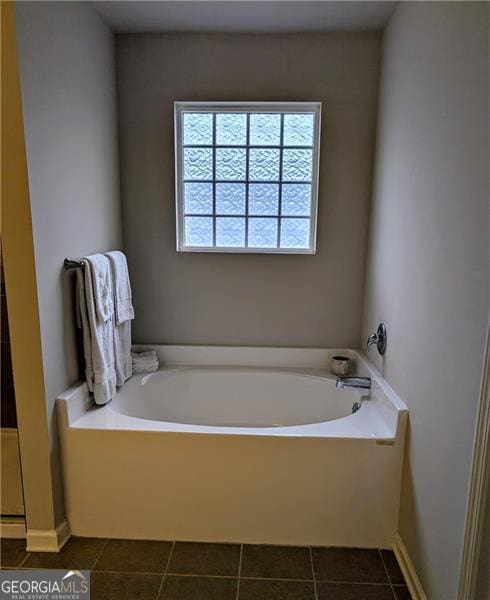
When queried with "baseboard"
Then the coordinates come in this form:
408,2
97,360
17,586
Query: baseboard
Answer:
48,540
12,528
408,570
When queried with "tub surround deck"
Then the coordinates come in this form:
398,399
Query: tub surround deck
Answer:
130,477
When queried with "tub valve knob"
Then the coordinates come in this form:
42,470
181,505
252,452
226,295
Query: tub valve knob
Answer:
379,338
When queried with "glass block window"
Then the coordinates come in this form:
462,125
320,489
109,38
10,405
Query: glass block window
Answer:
247,176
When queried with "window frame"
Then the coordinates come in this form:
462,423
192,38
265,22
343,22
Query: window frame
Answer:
267,107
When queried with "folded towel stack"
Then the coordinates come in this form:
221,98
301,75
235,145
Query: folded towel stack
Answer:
145,362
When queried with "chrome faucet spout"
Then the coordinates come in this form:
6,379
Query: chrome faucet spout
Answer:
354,382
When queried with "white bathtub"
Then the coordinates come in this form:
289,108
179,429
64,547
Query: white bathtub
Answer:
236,444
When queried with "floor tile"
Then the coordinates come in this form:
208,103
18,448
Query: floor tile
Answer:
348,564
134,556
183,587
401,592
196,558
124,586
276,562
391,564
354,591
78,553
263,589
12,552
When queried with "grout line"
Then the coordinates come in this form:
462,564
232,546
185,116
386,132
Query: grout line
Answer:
274,579
159,591
239,571
233,577
387,572
23,561
100,554
313,573
166,571
201,575
107,572
353,582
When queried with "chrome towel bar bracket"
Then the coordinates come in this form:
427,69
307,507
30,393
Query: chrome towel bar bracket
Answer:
68,263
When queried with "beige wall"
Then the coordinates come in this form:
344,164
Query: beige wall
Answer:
283,300
66,57
427,271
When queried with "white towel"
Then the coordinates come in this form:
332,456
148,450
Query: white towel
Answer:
144,362
102,286
123,315
83,324
122,287
100,353
122,352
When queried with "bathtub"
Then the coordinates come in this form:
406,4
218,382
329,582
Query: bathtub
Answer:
236,445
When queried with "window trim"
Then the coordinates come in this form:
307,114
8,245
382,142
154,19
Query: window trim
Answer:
267,107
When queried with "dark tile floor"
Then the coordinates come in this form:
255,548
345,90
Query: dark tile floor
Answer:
148,570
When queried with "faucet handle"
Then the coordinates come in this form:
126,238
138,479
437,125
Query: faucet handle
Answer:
379,338
372,339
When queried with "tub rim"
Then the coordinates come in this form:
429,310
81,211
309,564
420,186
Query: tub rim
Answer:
379,419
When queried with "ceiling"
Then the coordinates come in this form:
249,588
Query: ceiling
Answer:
140,16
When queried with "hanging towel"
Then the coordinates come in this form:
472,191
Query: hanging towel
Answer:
123,314
98,336
102,286
83,324
122,287
122,352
